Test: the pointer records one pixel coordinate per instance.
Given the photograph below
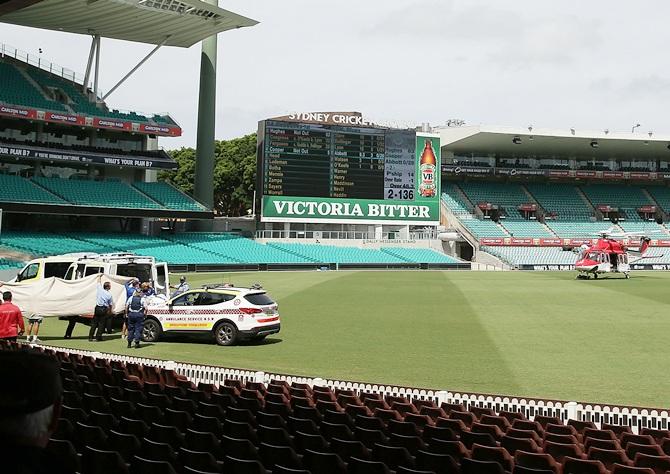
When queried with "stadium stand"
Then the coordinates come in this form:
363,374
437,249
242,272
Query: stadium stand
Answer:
169,196
9,264
562,199
17,189
527,228
578,229
508,196
453,200
627,198
420,255
532,255
484,228
16,90
661,194
212,249
97,193
29,86
334,254
143,416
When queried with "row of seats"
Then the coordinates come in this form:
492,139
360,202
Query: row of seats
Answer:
95,149
83,192
18,90
9,264
213,248
565,201
120,417
517,256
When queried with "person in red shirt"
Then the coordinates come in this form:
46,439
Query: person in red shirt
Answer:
11,320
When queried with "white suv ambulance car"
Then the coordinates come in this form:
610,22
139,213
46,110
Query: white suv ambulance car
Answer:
230,314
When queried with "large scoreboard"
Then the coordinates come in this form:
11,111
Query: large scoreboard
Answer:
338,167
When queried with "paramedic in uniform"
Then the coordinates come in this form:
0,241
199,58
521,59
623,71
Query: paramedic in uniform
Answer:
103,307
181,288
135,311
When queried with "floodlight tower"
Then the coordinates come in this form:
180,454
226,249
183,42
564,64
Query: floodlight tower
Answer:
204,155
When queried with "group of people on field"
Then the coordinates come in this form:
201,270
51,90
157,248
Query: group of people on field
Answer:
137,298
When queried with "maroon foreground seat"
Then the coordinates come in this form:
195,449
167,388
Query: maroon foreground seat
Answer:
583,466
488,453
621,469
560,451
659,464
540,461
609,457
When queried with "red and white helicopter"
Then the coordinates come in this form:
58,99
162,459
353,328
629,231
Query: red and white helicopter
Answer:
609,255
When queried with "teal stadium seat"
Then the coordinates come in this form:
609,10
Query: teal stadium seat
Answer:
627,198
17,189
16,90
527,228
9,264
532,255
579,229
452,198
98,193
508,196
319,253
661,195
420,255
484,228
169,196
563,199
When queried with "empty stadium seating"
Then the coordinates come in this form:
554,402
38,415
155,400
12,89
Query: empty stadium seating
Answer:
169,196
533,255
84,192
453,200
508,196
124,416
627,198
562,199
16,90
28,86
484,228
9,264
527,228
17,189
420,255
213,249
579,229
108,193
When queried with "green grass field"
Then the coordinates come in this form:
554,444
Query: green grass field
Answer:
510,333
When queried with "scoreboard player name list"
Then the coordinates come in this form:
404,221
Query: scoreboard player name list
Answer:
316,161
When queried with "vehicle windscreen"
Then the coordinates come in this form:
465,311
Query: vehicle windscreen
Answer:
259,299
141,271
56,269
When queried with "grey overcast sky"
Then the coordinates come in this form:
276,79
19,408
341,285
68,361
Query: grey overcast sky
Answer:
572,63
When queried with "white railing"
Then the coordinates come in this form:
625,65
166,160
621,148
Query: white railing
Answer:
37,61
342,235
634,417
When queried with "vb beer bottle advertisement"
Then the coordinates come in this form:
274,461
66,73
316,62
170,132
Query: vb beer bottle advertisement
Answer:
428,167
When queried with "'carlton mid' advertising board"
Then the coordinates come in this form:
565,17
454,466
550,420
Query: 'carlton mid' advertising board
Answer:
318,171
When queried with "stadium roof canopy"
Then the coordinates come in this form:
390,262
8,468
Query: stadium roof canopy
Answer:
522,142
169,22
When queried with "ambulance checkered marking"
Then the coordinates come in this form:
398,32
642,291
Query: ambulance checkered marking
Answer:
195,311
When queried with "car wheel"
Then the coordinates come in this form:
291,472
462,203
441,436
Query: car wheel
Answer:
225,334
151,330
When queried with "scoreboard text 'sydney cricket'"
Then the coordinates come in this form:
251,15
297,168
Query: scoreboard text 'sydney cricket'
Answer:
336,167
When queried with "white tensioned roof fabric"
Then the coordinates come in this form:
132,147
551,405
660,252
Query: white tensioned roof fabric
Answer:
182,22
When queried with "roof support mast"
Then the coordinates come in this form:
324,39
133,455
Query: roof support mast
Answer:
205,150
